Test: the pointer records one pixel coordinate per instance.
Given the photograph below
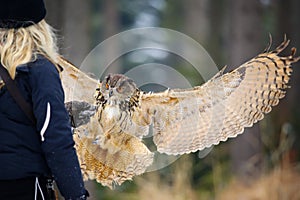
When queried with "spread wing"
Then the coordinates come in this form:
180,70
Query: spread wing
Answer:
188,120
77,85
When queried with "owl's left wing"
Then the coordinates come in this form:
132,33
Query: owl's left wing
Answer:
185,121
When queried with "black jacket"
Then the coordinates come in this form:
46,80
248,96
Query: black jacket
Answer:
46,148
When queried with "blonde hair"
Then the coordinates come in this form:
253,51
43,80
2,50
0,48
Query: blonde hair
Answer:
22,45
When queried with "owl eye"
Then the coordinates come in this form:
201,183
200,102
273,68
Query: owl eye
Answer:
120,89
107,86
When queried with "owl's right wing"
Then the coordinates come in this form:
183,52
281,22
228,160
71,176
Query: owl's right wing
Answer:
77,85
187,120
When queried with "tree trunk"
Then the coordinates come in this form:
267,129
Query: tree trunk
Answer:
289,24
76,30
55,13
245,42
196,19
111,15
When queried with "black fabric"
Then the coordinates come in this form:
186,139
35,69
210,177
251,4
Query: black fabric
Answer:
21,13
24,189
16,94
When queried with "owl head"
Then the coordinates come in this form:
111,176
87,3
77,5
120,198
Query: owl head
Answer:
117,87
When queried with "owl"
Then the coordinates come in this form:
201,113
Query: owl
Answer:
111,117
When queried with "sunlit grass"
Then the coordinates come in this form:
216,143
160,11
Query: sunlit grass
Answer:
280,184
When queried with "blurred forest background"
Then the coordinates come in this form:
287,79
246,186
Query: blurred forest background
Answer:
263,163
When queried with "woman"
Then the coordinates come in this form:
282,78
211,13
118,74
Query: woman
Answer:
31,151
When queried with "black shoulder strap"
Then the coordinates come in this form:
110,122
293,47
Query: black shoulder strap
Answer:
16,94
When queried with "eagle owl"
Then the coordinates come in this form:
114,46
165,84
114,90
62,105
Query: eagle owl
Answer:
111,118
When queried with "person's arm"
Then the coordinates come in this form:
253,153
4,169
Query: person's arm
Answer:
53,125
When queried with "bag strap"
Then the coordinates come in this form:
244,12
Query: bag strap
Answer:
16,94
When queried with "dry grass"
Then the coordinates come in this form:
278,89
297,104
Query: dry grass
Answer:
280,184
179,187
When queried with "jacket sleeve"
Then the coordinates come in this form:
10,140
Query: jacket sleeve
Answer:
53,125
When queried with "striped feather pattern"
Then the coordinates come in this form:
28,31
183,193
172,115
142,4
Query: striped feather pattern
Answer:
190,120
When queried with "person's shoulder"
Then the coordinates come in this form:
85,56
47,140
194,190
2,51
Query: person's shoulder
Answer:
42,65
42,62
